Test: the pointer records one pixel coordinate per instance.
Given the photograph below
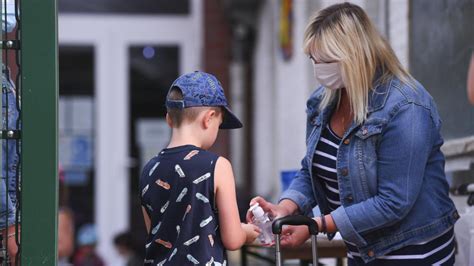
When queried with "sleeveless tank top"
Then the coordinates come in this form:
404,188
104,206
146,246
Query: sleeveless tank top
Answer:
177,191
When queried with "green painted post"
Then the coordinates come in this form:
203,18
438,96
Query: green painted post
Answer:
39,62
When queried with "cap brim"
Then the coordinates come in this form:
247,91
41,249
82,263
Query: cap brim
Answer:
230,120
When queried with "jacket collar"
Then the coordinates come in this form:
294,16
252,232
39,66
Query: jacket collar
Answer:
378,95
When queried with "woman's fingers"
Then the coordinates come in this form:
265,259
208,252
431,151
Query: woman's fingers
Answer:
262,202
294,236
274,211
286,238
266,206
249,217
258,200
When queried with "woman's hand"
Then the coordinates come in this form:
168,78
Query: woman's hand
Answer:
294,236
273,210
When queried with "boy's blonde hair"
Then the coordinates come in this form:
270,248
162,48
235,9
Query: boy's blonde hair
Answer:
344,33
178,116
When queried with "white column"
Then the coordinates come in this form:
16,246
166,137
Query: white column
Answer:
112,179
197,42
263,101
281,91
399,29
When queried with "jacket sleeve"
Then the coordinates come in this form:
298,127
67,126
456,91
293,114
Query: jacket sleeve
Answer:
300,190
403,152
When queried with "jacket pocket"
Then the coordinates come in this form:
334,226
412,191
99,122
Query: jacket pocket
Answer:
368,136
368,130
366,144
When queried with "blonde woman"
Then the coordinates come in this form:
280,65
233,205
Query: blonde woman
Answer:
373,163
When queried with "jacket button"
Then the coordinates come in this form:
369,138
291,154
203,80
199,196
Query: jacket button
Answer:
349,198
347,141
364,131
344,171
370,253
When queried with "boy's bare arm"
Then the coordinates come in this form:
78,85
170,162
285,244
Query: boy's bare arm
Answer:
146,218
232,232
470,80
65,233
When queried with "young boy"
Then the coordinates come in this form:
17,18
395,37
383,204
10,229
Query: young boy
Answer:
184,185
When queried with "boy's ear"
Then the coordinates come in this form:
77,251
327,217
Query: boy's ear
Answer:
169,121
207,118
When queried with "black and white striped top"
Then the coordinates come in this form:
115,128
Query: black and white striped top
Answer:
324,166
438,251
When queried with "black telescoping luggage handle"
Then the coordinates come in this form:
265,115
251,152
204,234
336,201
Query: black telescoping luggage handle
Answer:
295,220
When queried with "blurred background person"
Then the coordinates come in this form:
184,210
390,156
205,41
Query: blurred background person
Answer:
86,254
126,247
65,225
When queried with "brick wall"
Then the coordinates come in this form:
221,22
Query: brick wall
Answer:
217,56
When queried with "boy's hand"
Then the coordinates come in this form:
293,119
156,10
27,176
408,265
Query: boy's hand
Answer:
251,231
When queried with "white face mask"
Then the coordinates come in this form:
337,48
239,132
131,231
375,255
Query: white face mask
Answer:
329,75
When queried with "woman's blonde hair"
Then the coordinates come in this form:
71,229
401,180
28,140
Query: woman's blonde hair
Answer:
344,33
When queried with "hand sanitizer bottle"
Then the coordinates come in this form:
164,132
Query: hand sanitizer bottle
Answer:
261,219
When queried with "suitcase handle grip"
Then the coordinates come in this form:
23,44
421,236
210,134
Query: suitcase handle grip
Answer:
295,220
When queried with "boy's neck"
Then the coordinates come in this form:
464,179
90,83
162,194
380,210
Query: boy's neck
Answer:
184,136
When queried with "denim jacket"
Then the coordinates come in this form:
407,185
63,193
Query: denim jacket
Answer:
8,198
390,170
10,154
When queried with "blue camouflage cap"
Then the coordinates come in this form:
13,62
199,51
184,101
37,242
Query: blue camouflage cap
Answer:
203,89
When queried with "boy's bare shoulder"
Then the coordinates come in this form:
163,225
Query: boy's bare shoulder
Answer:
223,163
223,168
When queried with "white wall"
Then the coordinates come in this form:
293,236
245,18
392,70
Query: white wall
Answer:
292,86
264,104
280,92
398,30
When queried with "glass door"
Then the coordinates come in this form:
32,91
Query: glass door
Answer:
76,132
152,69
